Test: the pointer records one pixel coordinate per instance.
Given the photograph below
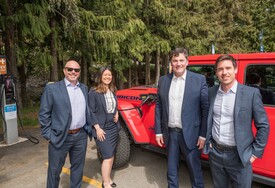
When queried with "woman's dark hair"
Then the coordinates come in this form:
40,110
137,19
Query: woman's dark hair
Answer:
99,86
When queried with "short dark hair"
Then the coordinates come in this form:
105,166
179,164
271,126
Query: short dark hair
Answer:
177,51
226,57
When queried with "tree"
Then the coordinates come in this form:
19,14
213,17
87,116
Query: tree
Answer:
263,16
23,25
129,35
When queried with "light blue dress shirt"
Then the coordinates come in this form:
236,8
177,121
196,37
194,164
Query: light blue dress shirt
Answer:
78,105
223,116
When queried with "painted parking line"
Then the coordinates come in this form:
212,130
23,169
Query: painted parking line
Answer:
85,179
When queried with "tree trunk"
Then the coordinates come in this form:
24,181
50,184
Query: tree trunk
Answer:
84,71
60,65
157,66
140,74
116,77
136,72
147,68
129,76
10,48
54,66
165,64
23,75
23,85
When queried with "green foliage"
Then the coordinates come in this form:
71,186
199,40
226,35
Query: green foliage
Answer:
29,116
119,32
263,16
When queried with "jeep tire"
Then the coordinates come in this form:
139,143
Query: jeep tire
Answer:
122,154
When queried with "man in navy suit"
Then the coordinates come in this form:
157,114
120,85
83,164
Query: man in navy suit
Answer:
180,118
63,113
230,142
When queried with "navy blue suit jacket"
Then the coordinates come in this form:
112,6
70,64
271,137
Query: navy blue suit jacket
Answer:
194,108
55,113
248,107
98,109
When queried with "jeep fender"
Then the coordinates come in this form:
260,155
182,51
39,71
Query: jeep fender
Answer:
133,122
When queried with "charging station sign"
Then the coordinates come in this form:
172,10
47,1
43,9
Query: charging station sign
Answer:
10,111
3,66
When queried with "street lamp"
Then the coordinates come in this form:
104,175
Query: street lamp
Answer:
261,36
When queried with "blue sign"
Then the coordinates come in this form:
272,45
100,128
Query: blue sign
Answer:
10,108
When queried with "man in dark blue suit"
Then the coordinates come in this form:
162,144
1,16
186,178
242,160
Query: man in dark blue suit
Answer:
63,113
180,118
230,142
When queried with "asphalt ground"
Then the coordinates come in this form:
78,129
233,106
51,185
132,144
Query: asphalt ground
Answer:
24,165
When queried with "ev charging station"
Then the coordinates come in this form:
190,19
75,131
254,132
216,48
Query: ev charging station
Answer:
8,104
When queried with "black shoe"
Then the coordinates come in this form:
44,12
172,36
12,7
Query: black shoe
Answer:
113,185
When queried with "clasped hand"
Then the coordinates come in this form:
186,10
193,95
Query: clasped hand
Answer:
100,133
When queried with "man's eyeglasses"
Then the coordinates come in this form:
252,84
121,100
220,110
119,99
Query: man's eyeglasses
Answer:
69,69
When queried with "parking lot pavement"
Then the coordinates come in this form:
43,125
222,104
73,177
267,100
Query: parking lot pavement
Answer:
24,165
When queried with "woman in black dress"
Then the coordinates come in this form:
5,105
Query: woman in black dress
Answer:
103,106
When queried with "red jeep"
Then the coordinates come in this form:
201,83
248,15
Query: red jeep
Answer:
137,109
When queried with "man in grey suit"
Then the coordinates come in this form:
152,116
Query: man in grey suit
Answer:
230,142
63,113
180,118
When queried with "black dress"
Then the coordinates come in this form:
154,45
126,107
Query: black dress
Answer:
107,147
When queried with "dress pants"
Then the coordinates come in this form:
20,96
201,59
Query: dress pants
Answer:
75,145
176,146
227,168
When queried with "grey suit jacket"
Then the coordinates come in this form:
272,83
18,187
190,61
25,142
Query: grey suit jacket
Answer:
55,113
248,107
194,108
98,109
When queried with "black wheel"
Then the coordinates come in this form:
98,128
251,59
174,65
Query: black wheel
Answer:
122,154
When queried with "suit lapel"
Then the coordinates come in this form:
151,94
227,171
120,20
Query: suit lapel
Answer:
115,100
102,99
238,101
65,95
167,88
84,92
212,97
187,92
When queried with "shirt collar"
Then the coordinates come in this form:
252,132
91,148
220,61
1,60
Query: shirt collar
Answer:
232,89
67,83
181,77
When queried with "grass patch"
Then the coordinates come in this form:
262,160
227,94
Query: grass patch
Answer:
29,116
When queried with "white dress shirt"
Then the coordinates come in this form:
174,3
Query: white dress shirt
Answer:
110,101
176,94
